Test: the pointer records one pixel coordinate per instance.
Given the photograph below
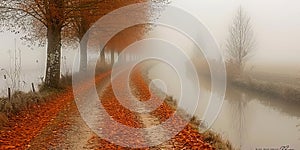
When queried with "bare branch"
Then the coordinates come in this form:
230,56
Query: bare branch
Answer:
240,43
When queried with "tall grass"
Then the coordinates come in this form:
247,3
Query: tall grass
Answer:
211,137
285,92
269,88
12,75
20,100
23,101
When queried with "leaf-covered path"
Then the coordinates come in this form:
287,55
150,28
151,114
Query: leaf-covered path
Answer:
57,124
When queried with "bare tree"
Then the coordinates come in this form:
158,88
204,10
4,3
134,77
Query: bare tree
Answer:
241,41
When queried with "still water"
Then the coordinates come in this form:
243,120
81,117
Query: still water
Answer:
248,120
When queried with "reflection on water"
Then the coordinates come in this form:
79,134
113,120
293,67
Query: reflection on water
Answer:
247,119
237,104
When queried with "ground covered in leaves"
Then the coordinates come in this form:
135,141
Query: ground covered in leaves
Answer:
56,124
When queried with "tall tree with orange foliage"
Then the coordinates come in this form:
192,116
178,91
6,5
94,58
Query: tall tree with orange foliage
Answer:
54,15
58,19
87,17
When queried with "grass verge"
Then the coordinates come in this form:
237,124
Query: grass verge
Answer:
278,90
216,140
209,136
24,101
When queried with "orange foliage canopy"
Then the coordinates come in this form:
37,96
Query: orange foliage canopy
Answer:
121,40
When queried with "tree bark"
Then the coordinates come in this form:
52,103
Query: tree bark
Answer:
53,56
83,54
112,56
83,28
102,57
118,56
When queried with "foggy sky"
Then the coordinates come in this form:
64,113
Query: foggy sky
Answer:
276,24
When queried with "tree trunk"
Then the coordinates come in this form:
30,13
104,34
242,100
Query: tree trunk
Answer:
118,56
53,56
112,56
83,54
102,57
83,42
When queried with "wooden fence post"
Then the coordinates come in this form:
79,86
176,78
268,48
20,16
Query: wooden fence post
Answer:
9,94
33,89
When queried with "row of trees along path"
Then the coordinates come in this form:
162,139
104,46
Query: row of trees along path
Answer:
57,22
57,123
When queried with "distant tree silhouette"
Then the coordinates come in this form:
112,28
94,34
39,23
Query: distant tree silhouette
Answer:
240,42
